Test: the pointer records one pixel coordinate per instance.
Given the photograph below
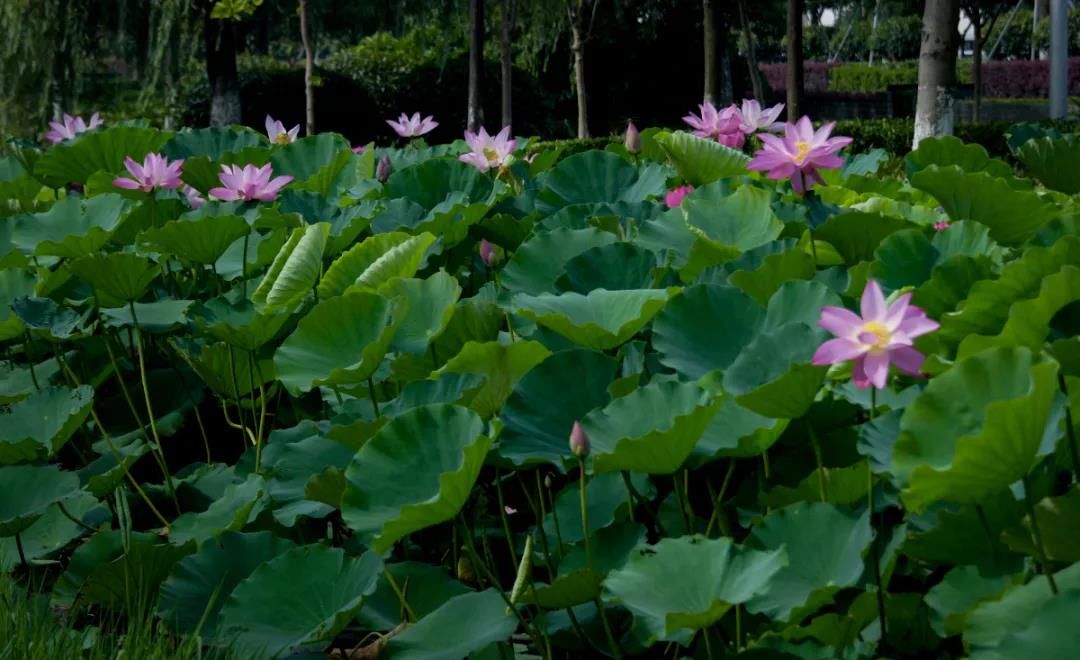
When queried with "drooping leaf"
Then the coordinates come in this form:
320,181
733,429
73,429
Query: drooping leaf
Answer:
201,241
295,269
39,425
71,228
26,491
374,262
117,278
701,161
600,320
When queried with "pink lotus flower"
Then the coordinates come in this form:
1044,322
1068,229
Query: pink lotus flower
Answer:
724,126
800,154
408,127
275,130
488,254
941,225
248,183
487,151
359,149
155,172
882,335
193,197
675,197
70,127
755,119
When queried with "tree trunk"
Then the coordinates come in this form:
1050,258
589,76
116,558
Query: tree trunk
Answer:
221,71
506,62
309,66
708,22
476,63
794,58
727,86
937,70
976,65
578,47
756,81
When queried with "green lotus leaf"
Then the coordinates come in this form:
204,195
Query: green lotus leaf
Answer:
905,258
579,583
292,470
230,372
305,157
949,150
429,306
1052,633
828,544
39,425
101,476
430,183
440,388
337,175
45,317
546,402
991,623
607,505
213,142
726,224
15,283
856,235
17,187
17,382
667,599
601,320
158,316
476,619
1018,134
773,376
950,284
260,623
261,249
237,323
1012,215
592,177
53,531
957,594
501,365
735,431
201,241
1059,527
695,333
426,587
948,538
538,262
118,278
762,281
295,269
1051,161
975,428
653,429
26,491
239,505
701,161
341,341
71,228
382,507
198,585
102,150
615,267
375,261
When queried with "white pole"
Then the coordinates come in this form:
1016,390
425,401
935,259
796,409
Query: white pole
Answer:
1059,58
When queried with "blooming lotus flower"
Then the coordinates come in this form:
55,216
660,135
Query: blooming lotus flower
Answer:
882,335
800,154
755,119
941,225
248,183
359,149
194,198
70,127
155,172
275,130
724,126
632,142
488,254
675,197
579,441
487,151
408,127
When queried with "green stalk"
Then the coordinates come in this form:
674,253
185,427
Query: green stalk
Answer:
30,362
400,595
820,464
1070,432
374,399
874,547
585,513
502,517
1037,534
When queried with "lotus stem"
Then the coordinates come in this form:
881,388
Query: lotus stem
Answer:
30,362
585,512
22,554
820,464
67,514
243,265
374,399
717,498
400,595
708,644
875,558
1070,432
1043,558
607,629
502,516
629,494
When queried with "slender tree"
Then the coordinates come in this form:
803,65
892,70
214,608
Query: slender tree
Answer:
506,61
756,81
221,70
794,58
937,70
475,118
983,14
582,15
708,23
309,66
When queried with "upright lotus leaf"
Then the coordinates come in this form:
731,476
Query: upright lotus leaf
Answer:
117,278
653,429
17,187
1012,215
601,320
701,161
212,142
962,588
975,428
964,238
615,267
44,317
546,402
993,622
381,506
828,544
158,316
704,328
237,323
1059,528
579,580
668,600
429,306
727,224
26,491
905,258
949,150
950,283
337,175
341,341
607,505
73,227
1029,320
39,425
591,177
856,235
1051,161
476,619
501,365
15,284
239,505
375,261
734,430
843,485
450,219
17,381
439,388
429,588
298,464
760,282
103,150
200,242
538,262
261,249
987,307
947,537
101,476
296,268
1052,633
260,623
430,183
197,587
305,157
53,531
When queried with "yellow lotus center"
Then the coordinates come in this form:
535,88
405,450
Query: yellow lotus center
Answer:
491,155
881,335
281,138
803,151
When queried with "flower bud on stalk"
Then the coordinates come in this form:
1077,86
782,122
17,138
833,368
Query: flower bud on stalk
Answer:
383,169
633,138
579,441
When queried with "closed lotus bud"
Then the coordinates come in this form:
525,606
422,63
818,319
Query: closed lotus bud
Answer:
633,138
465,570
382,169
579,442
488,253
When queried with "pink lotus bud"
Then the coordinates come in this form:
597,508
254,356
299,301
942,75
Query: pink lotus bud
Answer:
383,169
488,253
579,442
633,138
941,225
